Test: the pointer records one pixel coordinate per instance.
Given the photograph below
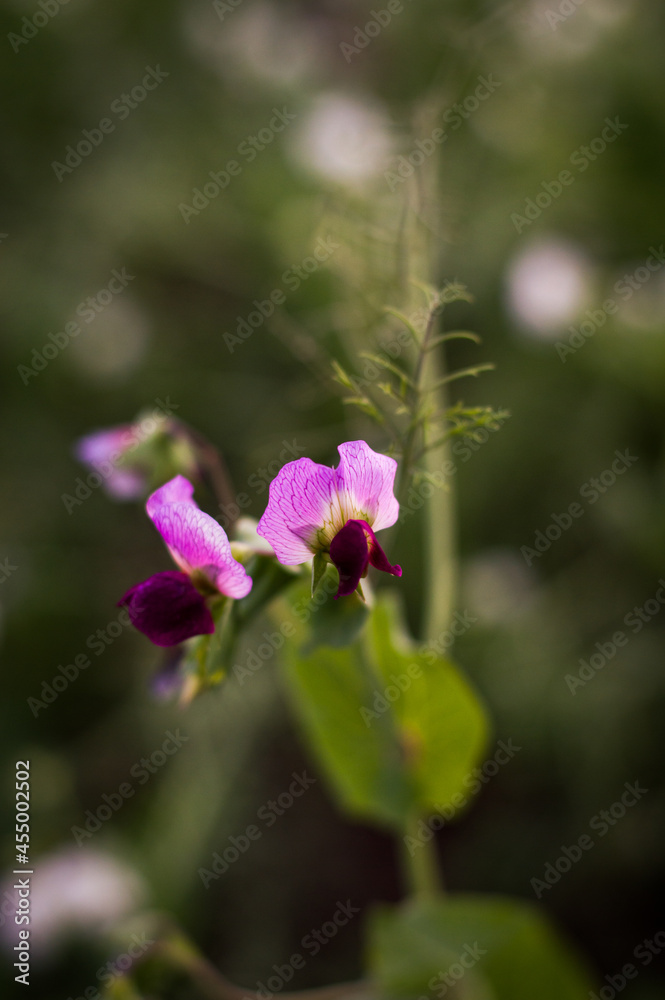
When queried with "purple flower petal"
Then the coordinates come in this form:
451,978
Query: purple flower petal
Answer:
103,446
350,556
194,539
177,490
101,450
309,503
168,609
377,556
299,505
352,550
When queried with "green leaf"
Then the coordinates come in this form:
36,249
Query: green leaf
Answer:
444,725
396,735
503,945
337,623
364,764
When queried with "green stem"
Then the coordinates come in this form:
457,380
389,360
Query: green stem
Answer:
408,456
179,953
421,865
440,527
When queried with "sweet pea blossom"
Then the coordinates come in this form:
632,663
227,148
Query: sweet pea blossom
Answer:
314,509
172,606
102,450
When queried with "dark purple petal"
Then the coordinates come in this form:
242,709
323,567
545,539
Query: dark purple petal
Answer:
350,556
377,556
352,550
168,609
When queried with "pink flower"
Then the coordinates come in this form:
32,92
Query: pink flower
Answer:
172,606
315,509
105,452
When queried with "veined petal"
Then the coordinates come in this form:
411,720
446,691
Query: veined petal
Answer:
365,481
194,539
197,541
299,507
168,609
177,490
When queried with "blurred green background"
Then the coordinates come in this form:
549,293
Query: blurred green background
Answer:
556,78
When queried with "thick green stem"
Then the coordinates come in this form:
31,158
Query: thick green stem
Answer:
421,865
440,555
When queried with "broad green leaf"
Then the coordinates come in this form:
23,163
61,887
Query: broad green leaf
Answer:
397,735
444,725
497,944
364,764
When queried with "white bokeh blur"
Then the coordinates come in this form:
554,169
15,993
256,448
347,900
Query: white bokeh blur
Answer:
548,284
74,891
342,139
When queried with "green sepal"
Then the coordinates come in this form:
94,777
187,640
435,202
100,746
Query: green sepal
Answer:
319,567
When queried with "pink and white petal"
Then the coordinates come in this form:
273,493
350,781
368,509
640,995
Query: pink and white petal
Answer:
177,490
365,481
103,446
197,541
301,502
